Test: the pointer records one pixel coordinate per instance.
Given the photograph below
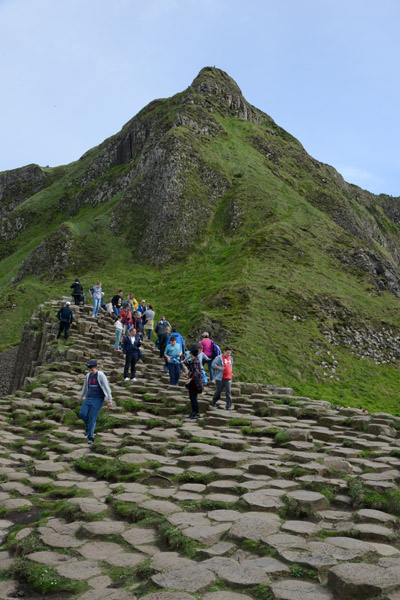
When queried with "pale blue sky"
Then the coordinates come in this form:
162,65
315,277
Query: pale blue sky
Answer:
74,71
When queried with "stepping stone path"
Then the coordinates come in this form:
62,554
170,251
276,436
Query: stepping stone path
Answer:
281,497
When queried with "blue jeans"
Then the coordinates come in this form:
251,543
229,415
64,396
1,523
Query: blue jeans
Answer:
149,334
116,310
88,413
209,362
174,372
96,306
117,338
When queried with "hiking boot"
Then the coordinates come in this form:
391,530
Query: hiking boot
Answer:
196,416
191,416
90,441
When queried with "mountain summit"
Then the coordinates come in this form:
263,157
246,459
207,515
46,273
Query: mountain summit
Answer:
205,203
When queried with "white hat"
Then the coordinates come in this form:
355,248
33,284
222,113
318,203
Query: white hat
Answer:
67,303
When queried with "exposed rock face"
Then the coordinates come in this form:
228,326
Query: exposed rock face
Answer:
18,185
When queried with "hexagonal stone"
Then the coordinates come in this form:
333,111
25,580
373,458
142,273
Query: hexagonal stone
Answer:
137,536
99,528
312,501
161,507
289,589
271,566
50,559
372,532
262,500
308,560
357,581
301,527
206,535
125,559
168,561
89,506
255,526
58,540
234,574
194,578
80,570
367,515
100,550
224,515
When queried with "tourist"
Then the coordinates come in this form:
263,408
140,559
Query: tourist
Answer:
131,352
207,346
173,355
126,317
95,388
223,377
194,383
118,331
116,302
162,329
142,307
148,319
138,321
65,316
96,293
77,291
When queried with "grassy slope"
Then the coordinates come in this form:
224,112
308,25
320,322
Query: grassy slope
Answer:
253,280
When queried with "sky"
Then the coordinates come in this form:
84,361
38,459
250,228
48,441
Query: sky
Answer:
73,72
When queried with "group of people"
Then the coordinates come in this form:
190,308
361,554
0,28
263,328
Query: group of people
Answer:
134,320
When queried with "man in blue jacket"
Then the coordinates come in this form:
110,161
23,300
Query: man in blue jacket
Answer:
95,388
131,352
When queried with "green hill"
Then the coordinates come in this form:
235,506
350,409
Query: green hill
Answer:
204,206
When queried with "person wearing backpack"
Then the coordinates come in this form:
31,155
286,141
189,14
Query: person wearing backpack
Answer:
77,291
207,346
223,377
194,383
162,330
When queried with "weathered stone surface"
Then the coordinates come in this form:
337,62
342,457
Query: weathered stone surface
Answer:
140,535
50,558
268,564
357,581
80,570
262,500
161,507
367,515
313,501
254,526
234,574
100,550
168,561
290,589
193,578
301,527
206,535
99,528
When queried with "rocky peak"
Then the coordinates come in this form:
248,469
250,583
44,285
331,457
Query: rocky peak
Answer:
222,89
